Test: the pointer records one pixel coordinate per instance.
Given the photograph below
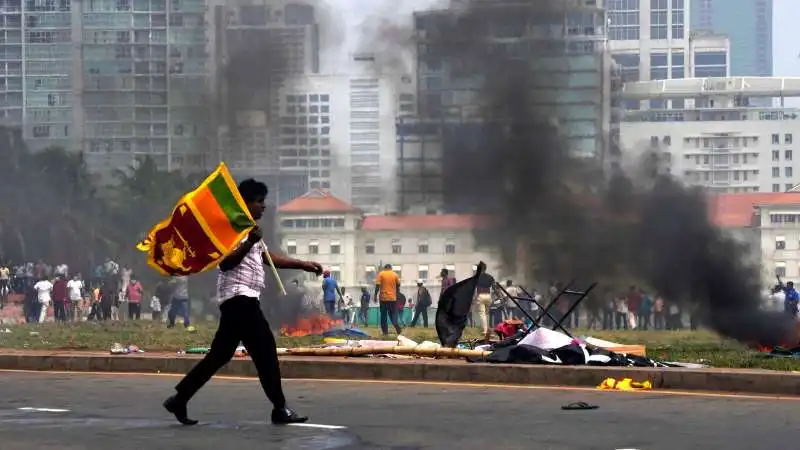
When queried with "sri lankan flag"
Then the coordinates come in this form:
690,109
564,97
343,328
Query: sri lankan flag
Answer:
204,227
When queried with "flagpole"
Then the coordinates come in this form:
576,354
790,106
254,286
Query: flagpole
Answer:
274,270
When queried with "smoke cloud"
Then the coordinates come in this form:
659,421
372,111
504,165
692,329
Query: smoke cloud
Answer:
573,216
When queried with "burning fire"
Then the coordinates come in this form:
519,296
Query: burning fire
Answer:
310,325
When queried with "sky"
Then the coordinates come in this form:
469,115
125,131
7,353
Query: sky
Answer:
786,38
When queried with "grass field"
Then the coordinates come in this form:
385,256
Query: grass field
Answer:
687,346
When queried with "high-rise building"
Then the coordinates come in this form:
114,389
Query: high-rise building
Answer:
566,46
258,50
651,40
117,79
338,130
142,82
720,140
748,25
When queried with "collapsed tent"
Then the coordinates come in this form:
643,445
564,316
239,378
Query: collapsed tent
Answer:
545,346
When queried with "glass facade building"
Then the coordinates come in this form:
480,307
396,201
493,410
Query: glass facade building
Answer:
748,25
117,79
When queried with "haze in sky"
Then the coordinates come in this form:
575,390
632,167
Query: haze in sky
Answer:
786,38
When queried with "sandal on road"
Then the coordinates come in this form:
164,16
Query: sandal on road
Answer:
578,406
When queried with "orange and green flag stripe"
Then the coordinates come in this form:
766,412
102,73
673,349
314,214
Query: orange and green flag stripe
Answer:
221,209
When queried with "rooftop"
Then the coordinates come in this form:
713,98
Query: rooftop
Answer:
317,201
423,222
730,86
736,210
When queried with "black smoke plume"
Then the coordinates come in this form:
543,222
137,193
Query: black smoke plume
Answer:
576,216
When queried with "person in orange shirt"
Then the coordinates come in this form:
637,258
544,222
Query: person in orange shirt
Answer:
387,284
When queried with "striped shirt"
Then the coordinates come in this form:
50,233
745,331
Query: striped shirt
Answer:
245,279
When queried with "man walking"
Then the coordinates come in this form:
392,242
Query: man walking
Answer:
387,284
239,285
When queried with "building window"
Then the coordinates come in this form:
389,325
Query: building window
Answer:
780,269
776,138
776,155
336,273
398,270
451,269
667,140
397,248
336,247
654,140
776,172
780,243
450,247
370,274
776,187
787,155
291,247
789,172
787,138
422,273
422,247
313,248
369,247
789,187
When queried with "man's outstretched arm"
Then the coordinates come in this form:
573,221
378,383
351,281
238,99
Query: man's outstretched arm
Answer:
284,262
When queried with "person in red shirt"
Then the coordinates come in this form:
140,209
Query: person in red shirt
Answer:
60,298
134,292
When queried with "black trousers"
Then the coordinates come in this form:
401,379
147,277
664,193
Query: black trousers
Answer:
134,311
241,320
420,311
389,311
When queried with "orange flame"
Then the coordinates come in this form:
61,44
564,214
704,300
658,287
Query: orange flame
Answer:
310,325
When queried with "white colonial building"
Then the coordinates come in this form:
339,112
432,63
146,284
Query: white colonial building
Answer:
717,139
353,246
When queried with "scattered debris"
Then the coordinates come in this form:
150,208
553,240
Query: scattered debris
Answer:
119,349
625,384
579,406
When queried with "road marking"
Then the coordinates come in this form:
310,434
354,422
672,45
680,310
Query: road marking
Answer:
318,425
53,410
429,383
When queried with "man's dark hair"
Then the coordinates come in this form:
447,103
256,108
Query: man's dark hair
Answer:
252,190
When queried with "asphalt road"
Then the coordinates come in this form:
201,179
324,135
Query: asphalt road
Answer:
123,412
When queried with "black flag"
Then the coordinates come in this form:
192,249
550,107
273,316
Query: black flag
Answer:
453,308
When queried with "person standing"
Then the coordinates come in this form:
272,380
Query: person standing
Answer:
330,292
791,299
483,300
239,284
75,295
5,284
60,297
134,293
363,312
387,285
424,302
44,295
179,306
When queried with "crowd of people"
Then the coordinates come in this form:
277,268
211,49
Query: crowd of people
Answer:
495,303
111,293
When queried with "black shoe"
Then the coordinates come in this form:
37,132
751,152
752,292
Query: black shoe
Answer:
178,408
283,416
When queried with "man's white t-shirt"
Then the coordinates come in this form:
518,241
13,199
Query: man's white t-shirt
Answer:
74,290
44,290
